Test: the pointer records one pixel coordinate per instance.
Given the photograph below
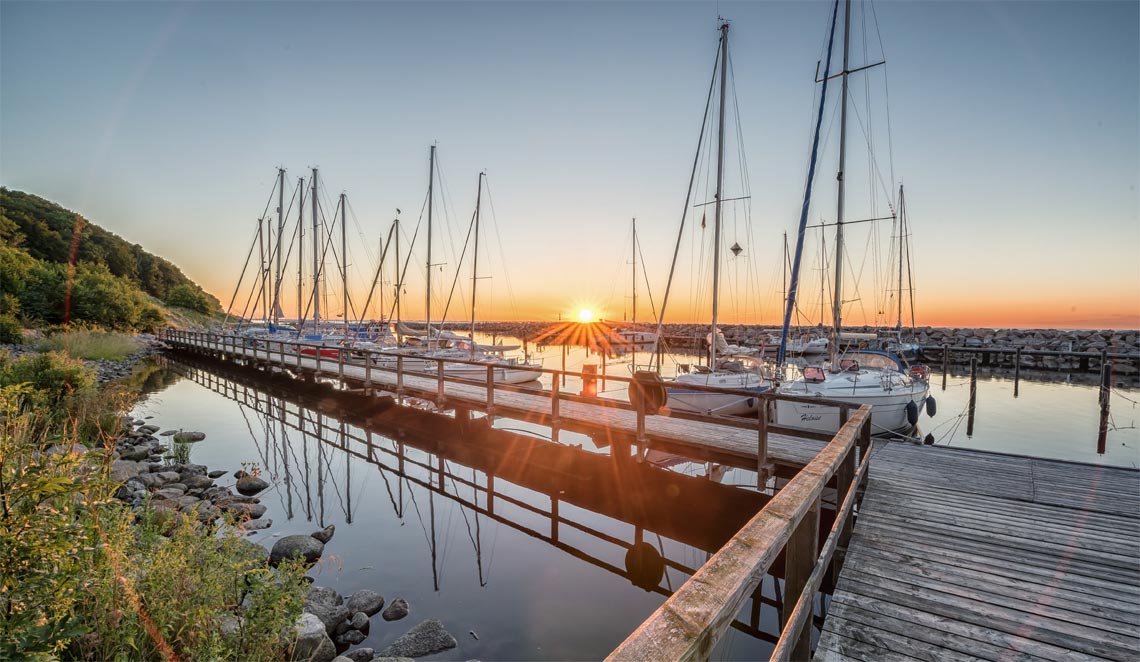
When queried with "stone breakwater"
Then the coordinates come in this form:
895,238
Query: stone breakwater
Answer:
1060,340
329,624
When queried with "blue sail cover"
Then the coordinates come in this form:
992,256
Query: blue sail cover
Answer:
807,194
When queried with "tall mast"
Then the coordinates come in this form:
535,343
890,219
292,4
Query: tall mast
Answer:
280,231
316,257
427,297
300,252
719,190
785,265
261,222
399,277
475,260
837,304
344,262
634,251
902,230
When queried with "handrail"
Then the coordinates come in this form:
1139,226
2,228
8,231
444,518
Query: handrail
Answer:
691,621
765,395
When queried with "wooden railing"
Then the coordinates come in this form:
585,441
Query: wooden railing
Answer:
287,354
692,620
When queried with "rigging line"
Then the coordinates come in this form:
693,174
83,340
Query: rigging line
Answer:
459,268
376,278
237,288
886,91
645,276
288,253
403,271
502,253
878,173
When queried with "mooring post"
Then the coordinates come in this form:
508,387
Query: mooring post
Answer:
340,365
368,373
1105,397
564,365
973,395
590,382
1016,371
945,363
604,357
799,558
399,375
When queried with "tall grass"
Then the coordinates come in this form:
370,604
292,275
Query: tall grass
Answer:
91,345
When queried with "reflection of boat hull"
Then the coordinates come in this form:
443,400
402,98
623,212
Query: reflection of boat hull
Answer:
888,408
709,403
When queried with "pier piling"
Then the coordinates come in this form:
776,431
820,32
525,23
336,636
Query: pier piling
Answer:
973,395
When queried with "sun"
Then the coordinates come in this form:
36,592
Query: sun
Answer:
585,315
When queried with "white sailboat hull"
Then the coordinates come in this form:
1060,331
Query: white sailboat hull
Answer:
709,403
888,408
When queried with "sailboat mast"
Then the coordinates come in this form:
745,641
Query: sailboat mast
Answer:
300,251
719,184
427,296
785,267
399,279
837,304
261,222
902,230
316,257
344,262
280,232
475,261
634,251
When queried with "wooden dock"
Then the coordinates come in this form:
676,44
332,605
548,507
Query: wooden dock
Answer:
960,554
934,552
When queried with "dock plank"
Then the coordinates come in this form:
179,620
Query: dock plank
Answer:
958,552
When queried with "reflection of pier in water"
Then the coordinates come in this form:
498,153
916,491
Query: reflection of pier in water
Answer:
398,441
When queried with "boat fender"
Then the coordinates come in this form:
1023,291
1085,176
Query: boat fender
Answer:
929,439
751,403
931,406
647,391
912,412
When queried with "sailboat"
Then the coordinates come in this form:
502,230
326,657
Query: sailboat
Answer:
877,378
632,334
731,372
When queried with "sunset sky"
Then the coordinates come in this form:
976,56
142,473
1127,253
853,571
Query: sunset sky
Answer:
1015,128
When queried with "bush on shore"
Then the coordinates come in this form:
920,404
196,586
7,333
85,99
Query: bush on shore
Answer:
91,344
82,576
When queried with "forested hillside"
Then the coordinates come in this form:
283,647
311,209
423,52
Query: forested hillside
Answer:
112,278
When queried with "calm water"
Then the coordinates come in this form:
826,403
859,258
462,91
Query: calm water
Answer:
408,494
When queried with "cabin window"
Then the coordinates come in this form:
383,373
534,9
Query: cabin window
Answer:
813,374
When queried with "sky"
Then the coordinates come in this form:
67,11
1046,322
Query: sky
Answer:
1014,126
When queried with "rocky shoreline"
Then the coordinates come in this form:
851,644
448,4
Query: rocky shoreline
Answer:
106,370
329,624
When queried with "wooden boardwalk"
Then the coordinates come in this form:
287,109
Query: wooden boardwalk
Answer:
733,443
960,554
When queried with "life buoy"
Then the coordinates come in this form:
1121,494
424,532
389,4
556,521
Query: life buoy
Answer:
647,391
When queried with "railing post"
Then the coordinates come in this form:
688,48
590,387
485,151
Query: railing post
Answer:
945,363
844,475
763,468
439,383
555,400
368,373
400,375
639,407
490,389
340,364
317,352
799,559
864,449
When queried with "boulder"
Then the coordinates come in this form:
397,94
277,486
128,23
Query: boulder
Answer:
257,525
217,473
397,610
250,485
331,615
136,453
349,638
122,470
313,642
167,433
245,511
306,547
168,476
360,655
189,436
424,639
367,601
148,429
323,595
196,482
359,621
229,625
325,534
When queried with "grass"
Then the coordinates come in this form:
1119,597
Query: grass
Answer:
91,345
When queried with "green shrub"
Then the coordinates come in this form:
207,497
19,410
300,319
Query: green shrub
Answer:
51,376
190,296
11,331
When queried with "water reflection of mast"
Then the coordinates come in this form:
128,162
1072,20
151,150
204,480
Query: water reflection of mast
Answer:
347,475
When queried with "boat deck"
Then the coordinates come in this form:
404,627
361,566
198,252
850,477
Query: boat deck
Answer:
959,554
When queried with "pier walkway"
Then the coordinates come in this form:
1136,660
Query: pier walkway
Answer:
960,554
